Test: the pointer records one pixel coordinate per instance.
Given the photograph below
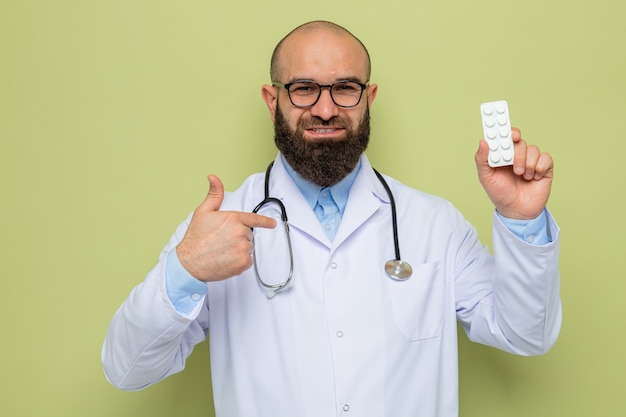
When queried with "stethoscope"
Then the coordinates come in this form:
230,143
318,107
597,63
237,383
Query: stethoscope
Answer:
396,268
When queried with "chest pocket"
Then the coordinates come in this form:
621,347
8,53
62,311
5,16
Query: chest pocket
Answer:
418,302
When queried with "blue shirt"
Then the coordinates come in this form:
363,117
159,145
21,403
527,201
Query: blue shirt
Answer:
328,203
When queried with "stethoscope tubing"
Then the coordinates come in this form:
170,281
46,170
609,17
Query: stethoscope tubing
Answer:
394,217
394,268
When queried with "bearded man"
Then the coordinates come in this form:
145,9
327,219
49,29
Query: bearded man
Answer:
321,326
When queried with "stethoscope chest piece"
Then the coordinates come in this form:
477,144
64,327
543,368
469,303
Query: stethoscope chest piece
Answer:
398,270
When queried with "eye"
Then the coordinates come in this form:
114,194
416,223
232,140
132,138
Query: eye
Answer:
347,88
303,89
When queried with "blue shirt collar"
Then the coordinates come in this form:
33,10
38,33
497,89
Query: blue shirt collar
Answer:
310,191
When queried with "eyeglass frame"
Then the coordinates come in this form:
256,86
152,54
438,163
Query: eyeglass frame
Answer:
319,94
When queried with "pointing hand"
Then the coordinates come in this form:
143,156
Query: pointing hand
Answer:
218,244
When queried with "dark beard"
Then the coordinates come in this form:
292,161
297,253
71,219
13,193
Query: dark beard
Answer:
324,162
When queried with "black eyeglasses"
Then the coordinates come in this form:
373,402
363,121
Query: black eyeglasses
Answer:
305,94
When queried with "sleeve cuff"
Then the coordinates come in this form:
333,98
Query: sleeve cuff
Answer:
534,232
184,291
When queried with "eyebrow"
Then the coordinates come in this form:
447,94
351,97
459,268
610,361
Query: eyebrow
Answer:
337,80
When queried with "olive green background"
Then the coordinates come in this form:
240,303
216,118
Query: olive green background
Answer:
113,112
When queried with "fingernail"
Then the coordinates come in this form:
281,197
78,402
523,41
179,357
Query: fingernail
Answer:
518,170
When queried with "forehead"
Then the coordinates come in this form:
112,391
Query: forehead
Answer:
322,56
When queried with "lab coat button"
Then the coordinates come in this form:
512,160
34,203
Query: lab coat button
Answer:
346,408
339,334
333,265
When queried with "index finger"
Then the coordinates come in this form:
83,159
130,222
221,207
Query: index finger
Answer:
256,220
516,134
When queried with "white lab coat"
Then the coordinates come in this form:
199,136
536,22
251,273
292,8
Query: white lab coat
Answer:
345,339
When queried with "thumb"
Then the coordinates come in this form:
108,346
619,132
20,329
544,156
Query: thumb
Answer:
214,198
481,158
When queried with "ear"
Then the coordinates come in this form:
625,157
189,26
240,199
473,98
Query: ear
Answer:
270,96
372,89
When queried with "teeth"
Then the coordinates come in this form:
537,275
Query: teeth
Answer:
323,130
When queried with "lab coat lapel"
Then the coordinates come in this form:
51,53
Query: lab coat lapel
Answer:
299,214
366,197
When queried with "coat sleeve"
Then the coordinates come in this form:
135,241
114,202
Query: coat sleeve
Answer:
147,338
518,306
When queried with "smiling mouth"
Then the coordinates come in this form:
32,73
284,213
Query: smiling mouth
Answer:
325,133
324,130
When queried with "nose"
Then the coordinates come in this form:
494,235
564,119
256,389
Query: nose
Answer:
325,108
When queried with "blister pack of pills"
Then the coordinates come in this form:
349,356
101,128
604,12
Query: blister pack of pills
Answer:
497,132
